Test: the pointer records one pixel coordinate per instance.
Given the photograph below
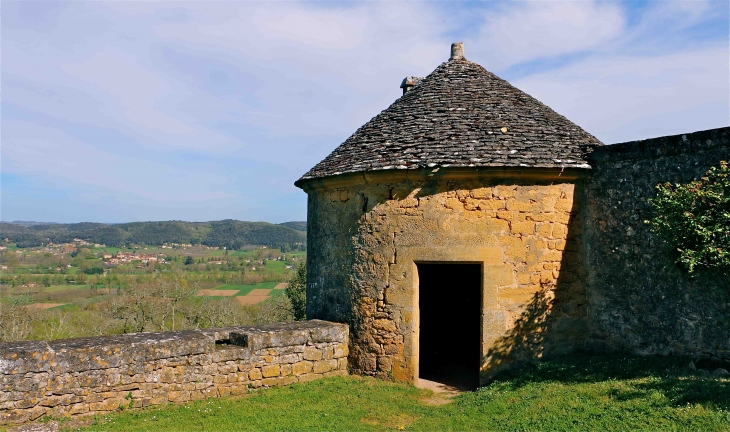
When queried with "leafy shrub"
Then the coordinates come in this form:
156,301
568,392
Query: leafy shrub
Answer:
694,220
297,293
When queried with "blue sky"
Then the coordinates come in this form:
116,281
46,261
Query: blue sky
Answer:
134,111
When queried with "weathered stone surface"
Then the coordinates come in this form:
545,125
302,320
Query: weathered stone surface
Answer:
93,375
639,300
363,246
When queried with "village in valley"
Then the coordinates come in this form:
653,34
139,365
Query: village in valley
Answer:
54,285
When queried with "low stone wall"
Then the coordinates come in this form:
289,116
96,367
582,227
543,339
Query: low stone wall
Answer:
637,298
96,375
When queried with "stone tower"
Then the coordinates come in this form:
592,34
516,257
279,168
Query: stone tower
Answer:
447,230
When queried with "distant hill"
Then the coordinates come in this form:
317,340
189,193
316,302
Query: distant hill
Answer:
230,233
31,223
297,225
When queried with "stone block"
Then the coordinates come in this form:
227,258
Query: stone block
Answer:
271,382
385,364
544,229
523,228
308,377
506,215
342,363
498,275
178,396
523,278
504,192
494,323
302,367
327,352
255,374
560,231
270,371
78,408
518,295
552,255
340,350
402,371
286,369
564,205
322,331
323,366
385,325
312,353
108,404
482,193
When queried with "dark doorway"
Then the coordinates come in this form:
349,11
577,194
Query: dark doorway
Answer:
450,330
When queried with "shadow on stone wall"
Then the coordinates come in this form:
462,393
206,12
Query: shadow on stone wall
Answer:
554,321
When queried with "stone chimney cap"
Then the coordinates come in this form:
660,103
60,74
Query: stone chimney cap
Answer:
457,51
409,82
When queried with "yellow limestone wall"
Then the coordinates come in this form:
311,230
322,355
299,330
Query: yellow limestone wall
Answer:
525,231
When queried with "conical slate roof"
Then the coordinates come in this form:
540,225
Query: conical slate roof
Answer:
461,115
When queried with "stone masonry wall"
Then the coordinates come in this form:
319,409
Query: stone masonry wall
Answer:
96,375
638,300
365,238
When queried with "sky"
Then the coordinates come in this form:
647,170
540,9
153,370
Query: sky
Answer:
198,110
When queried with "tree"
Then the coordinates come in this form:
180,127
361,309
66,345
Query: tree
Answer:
297,293
189,260
694,220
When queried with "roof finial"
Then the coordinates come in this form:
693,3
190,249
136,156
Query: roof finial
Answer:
457,51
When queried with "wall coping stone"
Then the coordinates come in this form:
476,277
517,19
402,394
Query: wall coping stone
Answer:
91,353
663,146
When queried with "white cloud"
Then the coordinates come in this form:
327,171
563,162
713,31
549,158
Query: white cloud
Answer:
625,98
53,156
532,30
250,95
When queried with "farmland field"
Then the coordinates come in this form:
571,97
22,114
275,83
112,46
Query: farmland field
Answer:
92,288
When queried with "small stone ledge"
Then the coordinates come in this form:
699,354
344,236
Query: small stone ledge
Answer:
86,376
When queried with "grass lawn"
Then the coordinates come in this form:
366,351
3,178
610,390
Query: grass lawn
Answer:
579,392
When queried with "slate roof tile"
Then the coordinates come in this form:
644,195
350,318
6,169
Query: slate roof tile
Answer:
461,115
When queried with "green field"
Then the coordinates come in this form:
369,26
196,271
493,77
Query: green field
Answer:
572,393
245,289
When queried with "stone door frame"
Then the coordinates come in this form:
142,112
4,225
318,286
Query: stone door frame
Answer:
404,292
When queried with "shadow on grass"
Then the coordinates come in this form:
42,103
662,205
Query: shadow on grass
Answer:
635,377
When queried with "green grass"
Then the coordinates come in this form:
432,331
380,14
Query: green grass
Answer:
245,289
573,393
54,288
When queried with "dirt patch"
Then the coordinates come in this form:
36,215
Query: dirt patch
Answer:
250,300
105,290
282,285
441,393
41,306
259,292
216,293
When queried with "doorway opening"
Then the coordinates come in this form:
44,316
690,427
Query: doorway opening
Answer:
450,303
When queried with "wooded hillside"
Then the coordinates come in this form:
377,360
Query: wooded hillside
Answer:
230,233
